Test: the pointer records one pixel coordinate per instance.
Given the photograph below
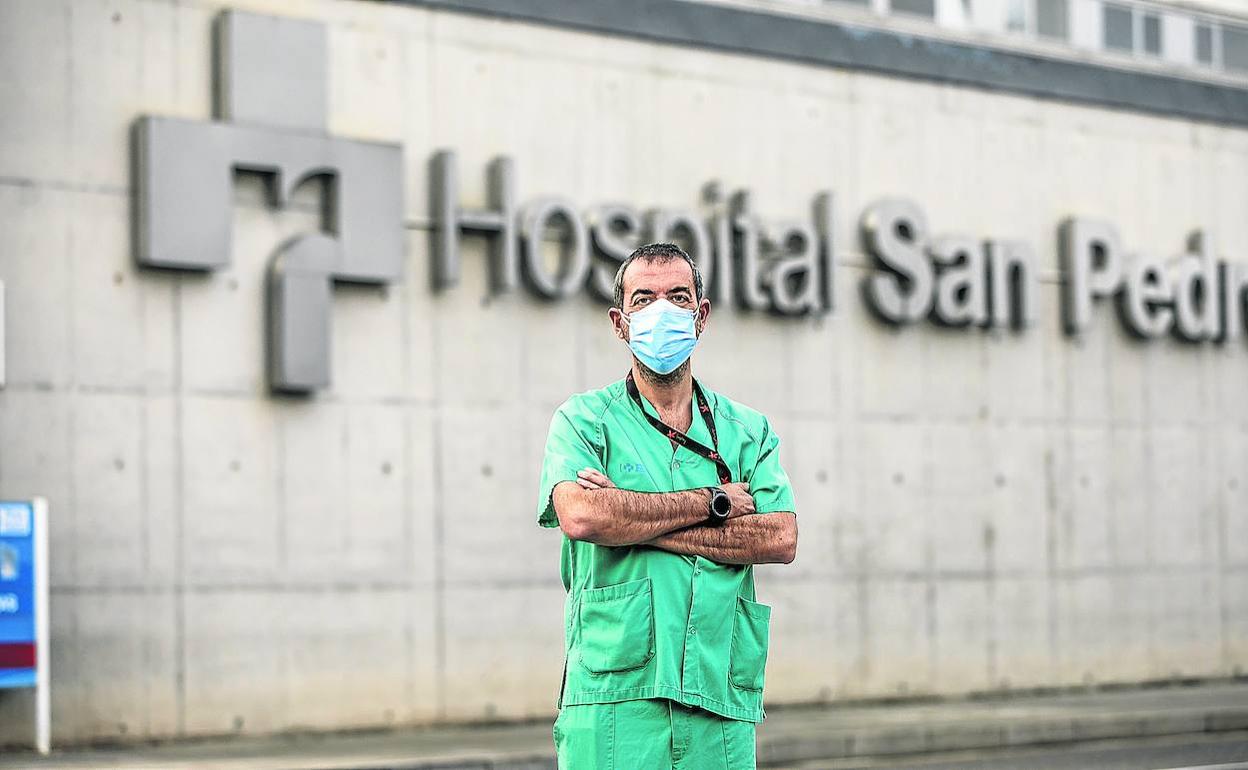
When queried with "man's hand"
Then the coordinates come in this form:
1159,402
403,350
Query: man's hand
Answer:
738,491
739,495
592,479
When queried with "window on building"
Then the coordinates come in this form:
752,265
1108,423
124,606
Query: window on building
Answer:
1016,16
1051,19
1118,28
1235,48
1204,44
1152,34
925,8
863,3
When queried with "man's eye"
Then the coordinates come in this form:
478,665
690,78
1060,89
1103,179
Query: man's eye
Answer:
641,300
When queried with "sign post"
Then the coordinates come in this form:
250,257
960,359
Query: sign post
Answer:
2,348
24,607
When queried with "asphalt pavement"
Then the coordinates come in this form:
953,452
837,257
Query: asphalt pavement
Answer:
1195,725
1206,751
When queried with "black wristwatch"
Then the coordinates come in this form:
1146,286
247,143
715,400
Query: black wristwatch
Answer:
720,507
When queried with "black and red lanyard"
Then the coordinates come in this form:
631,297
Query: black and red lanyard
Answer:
698,448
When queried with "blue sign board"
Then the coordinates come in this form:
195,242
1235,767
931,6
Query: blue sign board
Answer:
18,600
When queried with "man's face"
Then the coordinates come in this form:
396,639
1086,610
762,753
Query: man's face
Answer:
649,280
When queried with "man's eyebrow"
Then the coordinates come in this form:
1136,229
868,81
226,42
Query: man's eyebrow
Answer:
640,291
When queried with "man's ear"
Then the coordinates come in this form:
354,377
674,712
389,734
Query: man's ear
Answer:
704,313
617,323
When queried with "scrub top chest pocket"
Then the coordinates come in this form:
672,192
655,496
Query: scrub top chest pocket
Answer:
616,625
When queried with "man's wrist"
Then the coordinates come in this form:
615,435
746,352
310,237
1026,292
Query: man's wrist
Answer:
719,507
701,502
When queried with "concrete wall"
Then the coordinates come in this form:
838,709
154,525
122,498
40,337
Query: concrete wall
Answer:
978,510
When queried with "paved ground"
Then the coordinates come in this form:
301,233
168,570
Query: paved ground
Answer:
1205,751
1213,718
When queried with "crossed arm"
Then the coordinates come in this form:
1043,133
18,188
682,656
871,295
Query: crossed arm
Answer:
594,509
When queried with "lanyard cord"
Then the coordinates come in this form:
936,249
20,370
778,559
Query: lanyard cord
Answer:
698,448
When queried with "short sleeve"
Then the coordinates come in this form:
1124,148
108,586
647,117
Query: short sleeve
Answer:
769,484
570,447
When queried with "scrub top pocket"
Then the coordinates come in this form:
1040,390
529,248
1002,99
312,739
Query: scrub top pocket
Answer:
750,628
616,625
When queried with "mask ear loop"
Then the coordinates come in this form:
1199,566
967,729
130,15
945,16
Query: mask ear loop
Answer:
627,322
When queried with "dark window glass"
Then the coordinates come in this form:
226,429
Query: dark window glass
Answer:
1152,34
1118,32
1204,44
1235,48
1051,18
917,7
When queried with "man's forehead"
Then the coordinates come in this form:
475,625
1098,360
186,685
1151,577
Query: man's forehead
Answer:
657,274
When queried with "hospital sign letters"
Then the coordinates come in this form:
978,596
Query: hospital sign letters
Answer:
271,118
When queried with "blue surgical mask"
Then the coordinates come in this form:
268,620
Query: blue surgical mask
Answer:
662,335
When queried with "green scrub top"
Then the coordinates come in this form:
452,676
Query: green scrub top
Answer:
641,622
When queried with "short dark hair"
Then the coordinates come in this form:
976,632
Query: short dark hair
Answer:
656,252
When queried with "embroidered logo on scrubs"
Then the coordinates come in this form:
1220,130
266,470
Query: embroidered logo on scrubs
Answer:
632,467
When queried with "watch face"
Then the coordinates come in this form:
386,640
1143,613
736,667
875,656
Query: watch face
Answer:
721,505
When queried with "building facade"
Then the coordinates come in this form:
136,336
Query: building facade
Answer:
292,290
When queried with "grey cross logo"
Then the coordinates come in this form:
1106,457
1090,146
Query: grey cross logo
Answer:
271,118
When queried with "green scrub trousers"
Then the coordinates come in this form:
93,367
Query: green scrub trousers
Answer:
651,734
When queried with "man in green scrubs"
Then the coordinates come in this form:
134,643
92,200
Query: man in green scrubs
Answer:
667,494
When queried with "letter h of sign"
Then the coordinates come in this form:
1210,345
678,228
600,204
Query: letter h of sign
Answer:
271,78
